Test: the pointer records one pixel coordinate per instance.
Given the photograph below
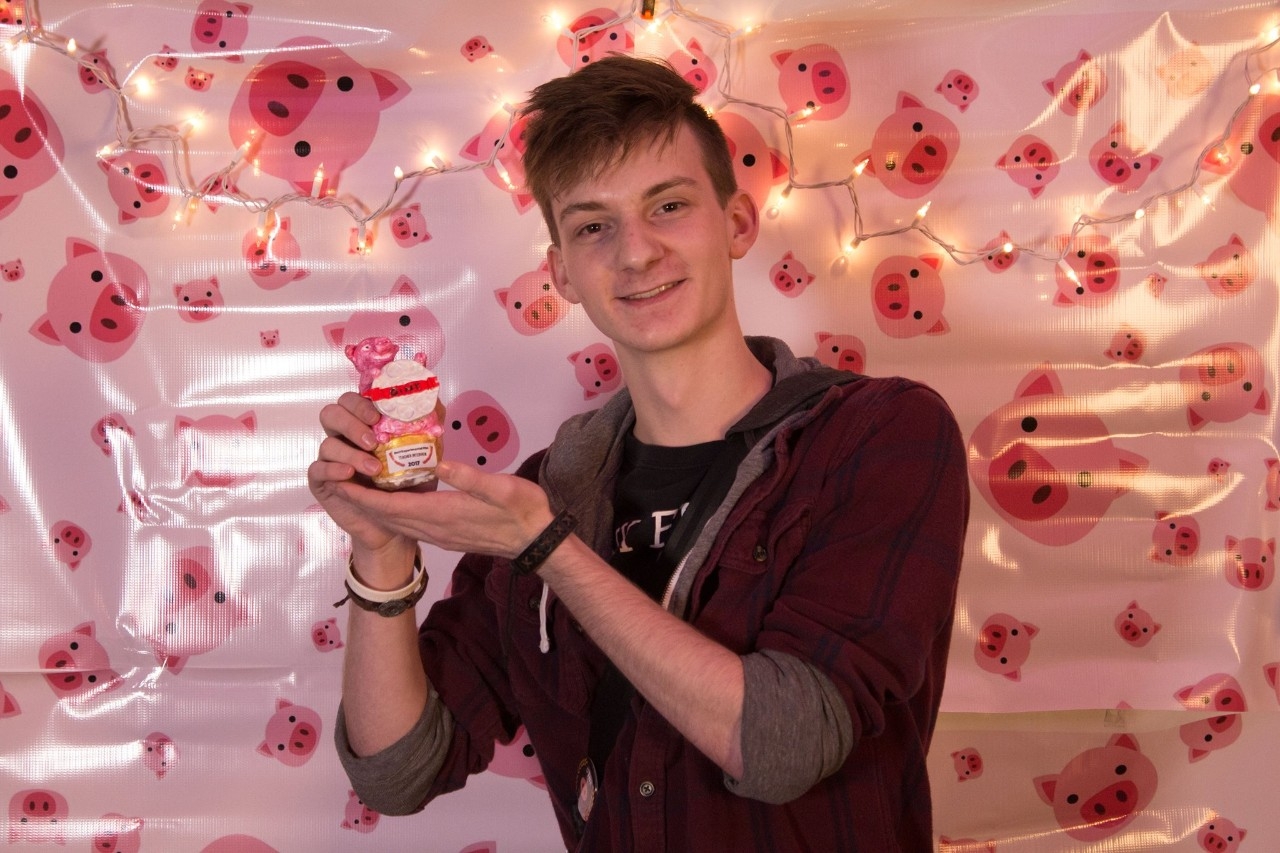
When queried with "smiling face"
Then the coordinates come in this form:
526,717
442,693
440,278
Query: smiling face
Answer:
646,248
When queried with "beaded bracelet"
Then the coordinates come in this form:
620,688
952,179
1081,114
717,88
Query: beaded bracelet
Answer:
539,549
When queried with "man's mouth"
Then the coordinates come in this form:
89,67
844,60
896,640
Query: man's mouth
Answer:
649,294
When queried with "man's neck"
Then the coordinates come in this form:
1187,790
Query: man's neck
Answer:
695,394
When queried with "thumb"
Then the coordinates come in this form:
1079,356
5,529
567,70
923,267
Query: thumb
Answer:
463,478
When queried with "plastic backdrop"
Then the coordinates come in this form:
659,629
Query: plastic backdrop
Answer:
1062,215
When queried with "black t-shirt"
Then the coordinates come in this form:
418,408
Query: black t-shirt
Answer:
654,487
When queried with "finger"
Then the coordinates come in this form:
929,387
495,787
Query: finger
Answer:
335,449
340,421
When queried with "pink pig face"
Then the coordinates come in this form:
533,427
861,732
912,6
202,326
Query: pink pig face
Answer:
907,296
1251,155
790,276
1095,273
1116,160
476,47
1135,625
196,613
220,27
500,145
198,79
1229,269
998,258
118,834
292,734
1101,790
694,65
166,60
273,255
408,226
403,317
216,448
968,763
532,303
596,34
136,181
270,338
479,432
199,300
109,430
1218,693
13,270
159,753
75,663
912,148
813,78
1187,73
96,303
1127,344
95,72
958,88
358,816
13,13
1031,163
38,815
1078,85
1175,539
1003,645
597,370
518,760
1251,563
326,636
843,352
31,146
71,543
310,104
1220,835
1047,464
1223,383
756,167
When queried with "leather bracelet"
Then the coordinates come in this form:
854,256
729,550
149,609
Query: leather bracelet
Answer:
385,602
548,540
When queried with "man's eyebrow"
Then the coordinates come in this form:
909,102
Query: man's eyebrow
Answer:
653,191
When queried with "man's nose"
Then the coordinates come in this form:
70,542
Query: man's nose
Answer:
638,245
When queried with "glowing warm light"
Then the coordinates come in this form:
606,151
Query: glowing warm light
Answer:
71,47
853,245
920,214
1007,248
398,173
1255,88
554,20
1274,35
194,123
861,167
1068,271
142,85
1139,213
438,161
646,9
105,151
318,182
804,112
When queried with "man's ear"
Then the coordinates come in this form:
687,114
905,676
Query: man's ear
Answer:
743,220
560,276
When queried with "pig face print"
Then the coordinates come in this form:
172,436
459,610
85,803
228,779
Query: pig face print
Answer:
479,432
1251,155
195,612
220,28
1175,539
694,65
841,351
596,369
159,754
75,663
402,316
31,146
1187,73
1078,85
1223,383
1047,464
1116,158
357,816
907,295
912,148
1219,835
594,34
1127,344
273,255
1250,563
38,815
136,181
199,300
1135,625
308,104
1229,269
813,82
1031,163
96,303
968,764
1100,791
500,147
216,449
71,544
1089,273
960,89
1004,644
532,303
292,734
1219,694
756,167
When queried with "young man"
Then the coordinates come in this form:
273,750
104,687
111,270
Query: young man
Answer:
721,604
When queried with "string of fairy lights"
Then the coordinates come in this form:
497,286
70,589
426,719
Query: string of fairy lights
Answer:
220,187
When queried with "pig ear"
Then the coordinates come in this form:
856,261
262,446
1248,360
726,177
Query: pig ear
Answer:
1045,787
334,333
1231,543
1194,420
789,256
780,58
693,45
779,163
1039,382
182,422
43,329
1264,404
822,337
264,748
390,87
934,261
1031,630
472,149
1235,241
573,356
77,247
1015,675
1060,300
1050,87
1084,56
907,100
939,328
502,295
244,8
8,203
1132,605
1184,694
85,628
177,290
1156,160
105,165
249,420
1272,672
1116,129
282,703
404,286
1125,741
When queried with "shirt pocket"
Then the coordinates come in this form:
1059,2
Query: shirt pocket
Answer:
563,675
736,596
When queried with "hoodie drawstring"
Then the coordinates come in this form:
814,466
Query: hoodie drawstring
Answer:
544,639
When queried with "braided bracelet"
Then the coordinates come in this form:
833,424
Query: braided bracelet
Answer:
540,548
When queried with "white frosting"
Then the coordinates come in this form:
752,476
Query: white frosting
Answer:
406,407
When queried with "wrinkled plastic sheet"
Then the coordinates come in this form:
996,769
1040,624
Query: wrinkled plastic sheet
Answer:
1115,378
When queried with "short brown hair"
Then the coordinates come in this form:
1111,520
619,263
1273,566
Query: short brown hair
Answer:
581,124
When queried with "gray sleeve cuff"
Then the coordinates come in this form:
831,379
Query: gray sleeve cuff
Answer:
396,780
796,730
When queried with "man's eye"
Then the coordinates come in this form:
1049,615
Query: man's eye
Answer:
592,228
671,206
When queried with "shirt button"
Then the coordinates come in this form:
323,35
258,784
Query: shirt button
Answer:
760,554
534,602
646,789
